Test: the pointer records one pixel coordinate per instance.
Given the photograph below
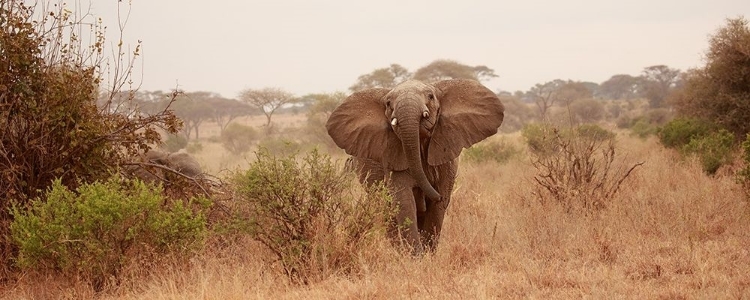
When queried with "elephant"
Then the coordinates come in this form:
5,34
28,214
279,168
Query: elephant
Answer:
411,136
180,162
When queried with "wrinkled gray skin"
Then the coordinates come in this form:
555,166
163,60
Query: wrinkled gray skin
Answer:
178,161
181,162
412,135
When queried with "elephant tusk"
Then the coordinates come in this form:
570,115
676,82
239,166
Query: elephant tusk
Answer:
394,122
426,114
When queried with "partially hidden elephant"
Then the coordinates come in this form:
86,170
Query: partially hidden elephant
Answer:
179,162
411,137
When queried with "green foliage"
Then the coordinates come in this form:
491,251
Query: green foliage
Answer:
491,150
280,146
238,138
97,229
720,91
713,149
575,165
678,132
643,129
175,142
313,216
53,122
743,176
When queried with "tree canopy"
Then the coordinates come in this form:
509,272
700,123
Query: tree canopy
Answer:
720,91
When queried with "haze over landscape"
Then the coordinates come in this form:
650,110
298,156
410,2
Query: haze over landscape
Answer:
323,46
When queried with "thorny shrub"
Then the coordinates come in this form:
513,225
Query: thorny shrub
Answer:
94,231
576,166
315,218
52,127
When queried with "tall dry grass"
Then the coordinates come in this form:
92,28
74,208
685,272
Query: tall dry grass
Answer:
670,233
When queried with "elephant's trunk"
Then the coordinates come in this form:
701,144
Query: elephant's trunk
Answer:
408,122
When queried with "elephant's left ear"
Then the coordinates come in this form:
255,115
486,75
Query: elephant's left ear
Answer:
469,113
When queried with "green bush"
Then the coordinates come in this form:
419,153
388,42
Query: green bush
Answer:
713,149
678,132
97,229
743,176
314,217
575,165
280,146
643,129
491,150
238,138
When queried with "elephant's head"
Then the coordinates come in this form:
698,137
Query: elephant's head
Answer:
416,123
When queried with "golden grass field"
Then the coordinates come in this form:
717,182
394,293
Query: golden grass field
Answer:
670,233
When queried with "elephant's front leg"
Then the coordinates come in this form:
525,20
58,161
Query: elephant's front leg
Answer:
401,184
433,217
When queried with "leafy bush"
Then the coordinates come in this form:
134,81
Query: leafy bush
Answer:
491,150
310,214
238,138
678,132
175,142
643,129
55,122
587,110
280,146
575,165
97,229
743,175
713,149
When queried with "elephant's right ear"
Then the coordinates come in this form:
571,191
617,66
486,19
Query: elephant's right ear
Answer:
359,125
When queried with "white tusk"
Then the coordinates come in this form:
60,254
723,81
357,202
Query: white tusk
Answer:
426,114
393,122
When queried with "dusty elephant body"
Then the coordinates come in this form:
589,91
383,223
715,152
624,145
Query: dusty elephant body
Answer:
412,136
180,162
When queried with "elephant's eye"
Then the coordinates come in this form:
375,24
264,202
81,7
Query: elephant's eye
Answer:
388,104
431,97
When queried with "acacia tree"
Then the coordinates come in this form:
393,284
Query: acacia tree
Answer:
382,78
443,69
720,91
658,82
223,111
620,86
193,108
267,100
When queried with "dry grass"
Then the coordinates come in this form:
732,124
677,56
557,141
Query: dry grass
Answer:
671,233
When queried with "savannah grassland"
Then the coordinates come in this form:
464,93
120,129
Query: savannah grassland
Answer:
672,232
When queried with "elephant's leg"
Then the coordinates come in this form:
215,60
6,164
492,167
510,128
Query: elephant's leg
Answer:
433,217
401,184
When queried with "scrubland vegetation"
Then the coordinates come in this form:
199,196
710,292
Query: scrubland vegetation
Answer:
633,188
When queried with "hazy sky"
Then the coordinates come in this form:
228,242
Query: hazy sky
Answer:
308,46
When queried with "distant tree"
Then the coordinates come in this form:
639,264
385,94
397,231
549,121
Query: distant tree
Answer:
321,107
193,108
620,86
587,110
223,111
267,100
517,113
443,69
569,91
720,91
542,96
382,78
658,82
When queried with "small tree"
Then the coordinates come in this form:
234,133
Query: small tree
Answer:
720,91
443,69
576,166
267,100
382,78
238,138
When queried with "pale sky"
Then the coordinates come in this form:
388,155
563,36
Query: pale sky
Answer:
306,46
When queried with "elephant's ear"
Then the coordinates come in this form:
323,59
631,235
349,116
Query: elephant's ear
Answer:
469,113
360,127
